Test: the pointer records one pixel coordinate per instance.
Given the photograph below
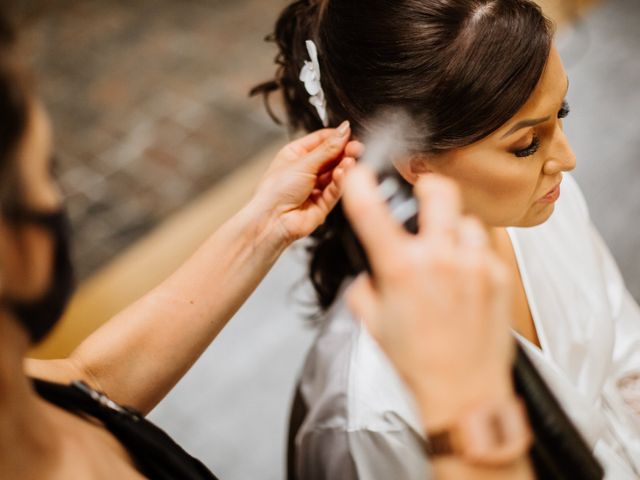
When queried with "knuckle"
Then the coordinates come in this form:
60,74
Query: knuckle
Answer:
440,261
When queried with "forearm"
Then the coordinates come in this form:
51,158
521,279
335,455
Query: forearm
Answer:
138,356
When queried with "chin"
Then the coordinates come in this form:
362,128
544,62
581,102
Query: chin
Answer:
537,218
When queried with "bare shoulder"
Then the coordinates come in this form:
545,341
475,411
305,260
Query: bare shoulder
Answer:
88,450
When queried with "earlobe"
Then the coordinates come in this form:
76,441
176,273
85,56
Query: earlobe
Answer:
412,169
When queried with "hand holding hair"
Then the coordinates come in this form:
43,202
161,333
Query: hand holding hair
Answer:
304,182
139,355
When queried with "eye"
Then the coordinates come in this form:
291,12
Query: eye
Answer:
564,111
530,150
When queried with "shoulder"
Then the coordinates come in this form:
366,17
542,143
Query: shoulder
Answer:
359,416
346,372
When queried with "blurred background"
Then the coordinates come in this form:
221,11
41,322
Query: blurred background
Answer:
158,142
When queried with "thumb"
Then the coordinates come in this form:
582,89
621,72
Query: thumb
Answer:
328,151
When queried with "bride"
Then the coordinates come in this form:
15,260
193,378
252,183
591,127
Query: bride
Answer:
487,86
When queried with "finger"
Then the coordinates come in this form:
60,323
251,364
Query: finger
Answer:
340,172
336,174
362,301
354,149
309,142
328,151
331,193
324,179
440,208
370,216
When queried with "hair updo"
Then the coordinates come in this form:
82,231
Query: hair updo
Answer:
460,68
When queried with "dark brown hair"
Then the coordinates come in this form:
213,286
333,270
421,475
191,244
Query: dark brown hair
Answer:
460,68
14,114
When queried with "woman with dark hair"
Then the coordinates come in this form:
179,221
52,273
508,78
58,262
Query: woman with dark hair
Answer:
486,86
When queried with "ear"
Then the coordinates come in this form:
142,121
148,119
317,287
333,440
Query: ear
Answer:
412,168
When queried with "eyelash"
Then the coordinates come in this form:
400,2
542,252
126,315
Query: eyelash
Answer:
530,150
564,112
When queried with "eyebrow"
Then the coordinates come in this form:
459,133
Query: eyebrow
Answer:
524,124
530,122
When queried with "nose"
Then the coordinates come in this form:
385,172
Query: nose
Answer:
561,157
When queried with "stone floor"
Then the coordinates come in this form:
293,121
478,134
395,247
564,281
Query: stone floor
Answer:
149,102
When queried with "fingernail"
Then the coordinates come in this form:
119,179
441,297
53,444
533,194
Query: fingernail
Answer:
343,129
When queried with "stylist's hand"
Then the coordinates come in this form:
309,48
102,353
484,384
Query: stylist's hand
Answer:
438,303
304,182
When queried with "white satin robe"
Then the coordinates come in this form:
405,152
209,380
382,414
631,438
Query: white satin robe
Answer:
362,422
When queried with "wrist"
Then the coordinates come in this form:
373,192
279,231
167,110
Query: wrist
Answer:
440,406
265,228
496,433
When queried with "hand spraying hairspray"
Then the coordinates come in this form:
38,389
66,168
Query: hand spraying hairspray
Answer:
559,451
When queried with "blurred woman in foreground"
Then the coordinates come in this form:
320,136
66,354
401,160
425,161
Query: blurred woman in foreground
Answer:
62,426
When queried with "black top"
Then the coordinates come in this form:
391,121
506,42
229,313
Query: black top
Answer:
155,454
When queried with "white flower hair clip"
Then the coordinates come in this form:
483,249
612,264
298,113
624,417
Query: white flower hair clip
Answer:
310,76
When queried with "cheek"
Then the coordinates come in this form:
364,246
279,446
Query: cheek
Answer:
500,193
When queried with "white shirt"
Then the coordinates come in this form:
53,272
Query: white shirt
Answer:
362,422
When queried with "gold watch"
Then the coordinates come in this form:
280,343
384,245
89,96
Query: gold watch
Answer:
495,433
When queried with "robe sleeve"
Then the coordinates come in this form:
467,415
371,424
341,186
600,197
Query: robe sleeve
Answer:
624,375
625,372
622,388
361,454
323,454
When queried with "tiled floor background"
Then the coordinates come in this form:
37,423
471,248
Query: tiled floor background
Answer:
149,102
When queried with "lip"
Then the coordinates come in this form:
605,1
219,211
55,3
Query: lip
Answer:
552,196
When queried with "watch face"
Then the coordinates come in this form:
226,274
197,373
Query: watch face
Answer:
439,444
494,434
